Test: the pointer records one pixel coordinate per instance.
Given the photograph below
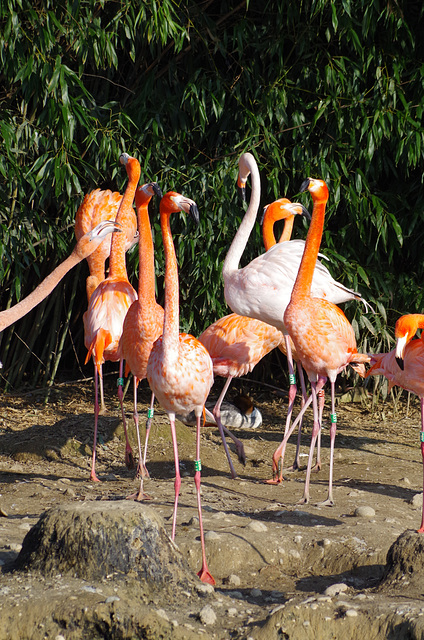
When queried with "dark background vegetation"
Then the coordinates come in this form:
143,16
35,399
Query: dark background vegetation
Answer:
320,88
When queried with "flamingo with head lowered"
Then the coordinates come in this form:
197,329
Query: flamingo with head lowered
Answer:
179,370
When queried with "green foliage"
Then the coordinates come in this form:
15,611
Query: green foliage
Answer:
321,88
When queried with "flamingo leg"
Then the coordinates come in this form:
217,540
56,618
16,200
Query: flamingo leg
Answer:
129,456
277,468
296,463
217,417
321,399
150,413
102,409
97,374
329,502
421,529
204,573
177,483
142,472
316,387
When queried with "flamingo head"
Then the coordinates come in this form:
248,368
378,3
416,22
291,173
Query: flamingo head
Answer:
405,329
284,208
173,201
145,192
317,188
245,163
132,166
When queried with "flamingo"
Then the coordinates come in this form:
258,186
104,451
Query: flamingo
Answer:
322,335
404,366
85,246
96,206
237,343
179,370
109,304
143,323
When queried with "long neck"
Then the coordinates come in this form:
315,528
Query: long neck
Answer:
232,259
117,267
268,231
302,285
171,329
15,313
146,282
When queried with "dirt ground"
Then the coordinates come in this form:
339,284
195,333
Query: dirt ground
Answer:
281,570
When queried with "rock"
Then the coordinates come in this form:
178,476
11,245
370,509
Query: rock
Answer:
364,512
233,580
405,563
417,501
91,540
207,615
335,589
257,526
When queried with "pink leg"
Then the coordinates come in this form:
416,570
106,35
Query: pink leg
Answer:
217,416
141,469
177,483
333,427
93,476
321,399
129,456
316,387
150,414
296,463
102,409
203,574
421,529
280,451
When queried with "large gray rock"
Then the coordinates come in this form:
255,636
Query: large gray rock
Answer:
92,540
405,563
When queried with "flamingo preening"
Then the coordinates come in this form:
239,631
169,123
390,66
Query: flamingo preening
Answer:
179,370
110,302
404,367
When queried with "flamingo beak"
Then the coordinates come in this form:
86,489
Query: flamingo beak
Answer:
400,351
304,186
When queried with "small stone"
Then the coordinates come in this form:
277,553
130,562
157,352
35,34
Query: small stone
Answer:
232,611
351,613
207,615
212,535
60,637
405,481
257,526
364,512
417,501
233,580
110,599
298,539
162,613
205,588
335,589
255,593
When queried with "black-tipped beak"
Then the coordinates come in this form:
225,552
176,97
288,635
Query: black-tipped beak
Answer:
242,192
194,212
400,363
306,213
304,186
157,190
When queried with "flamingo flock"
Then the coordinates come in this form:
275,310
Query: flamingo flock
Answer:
285,298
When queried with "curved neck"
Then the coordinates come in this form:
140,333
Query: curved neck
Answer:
171,320
146,281
268,231
232,259
15,313
117,267
302,285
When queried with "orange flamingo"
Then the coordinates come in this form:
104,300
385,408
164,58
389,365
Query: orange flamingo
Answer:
404,367
237,343
110,302
322,335
143,323
179,370
85,246
101,205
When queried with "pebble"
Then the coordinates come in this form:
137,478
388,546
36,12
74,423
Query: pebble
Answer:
162,613
255,593
232,611
233,580
110,599
335,589
364,512
257,526
212,535
417,501
205,588
351,613
207,615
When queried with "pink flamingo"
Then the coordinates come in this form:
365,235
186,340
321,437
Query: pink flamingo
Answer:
404,366
85,246
322,335
237,343
179,370
96,206
143,323
110,302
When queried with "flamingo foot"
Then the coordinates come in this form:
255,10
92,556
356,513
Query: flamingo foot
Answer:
326,503
240,453
276,480
129,459
142,471
139,496
316,467
205,576
93,477
421,529
304,500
